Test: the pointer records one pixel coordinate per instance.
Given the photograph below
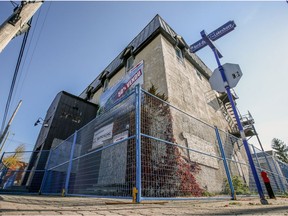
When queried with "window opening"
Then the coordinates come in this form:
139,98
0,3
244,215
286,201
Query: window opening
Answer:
129,63
105,84
179,53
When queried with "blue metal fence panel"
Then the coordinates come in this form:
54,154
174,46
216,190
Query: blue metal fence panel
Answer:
164,152
180,154
104,158
275,176
14,173
57,167
242,177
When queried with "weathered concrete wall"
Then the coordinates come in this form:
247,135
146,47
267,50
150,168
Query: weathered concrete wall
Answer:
154,70
186,90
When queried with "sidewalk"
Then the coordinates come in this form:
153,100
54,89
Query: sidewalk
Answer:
52,205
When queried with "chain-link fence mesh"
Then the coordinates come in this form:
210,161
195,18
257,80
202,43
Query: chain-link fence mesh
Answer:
14,172
57,167
102,161
265,162
181,156
284,171
240,170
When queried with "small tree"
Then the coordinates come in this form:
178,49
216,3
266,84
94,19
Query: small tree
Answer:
281,150
14,159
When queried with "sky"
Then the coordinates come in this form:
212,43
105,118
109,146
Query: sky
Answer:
70,43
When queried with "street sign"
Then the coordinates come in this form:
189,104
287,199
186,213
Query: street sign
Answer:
233,74
228,77
219,32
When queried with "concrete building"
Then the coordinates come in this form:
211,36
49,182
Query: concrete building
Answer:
184,79
66,114
157,58
168,65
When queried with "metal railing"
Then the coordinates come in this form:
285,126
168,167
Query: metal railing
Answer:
15,174
145,148
147,144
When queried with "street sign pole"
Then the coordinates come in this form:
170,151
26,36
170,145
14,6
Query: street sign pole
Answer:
243,136
239,124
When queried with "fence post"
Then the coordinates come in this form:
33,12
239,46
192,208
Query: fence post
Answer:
270,168
65,192
277,171
138,142
3,167
45,172
256,156
233,194
2,157
284,170
264,153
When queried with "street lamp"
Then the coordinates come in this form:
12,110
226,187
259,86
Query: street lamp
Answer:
40,121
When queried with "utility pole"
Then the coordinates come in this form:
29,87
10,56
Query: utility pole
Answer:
10,122
17,23
2,145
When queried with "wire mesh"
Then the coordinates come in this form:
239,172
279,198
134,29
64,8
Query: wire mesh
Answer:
104,172
60,154
15,174
284,169
101,162
57,167
54,181
240,170
267,163
180,154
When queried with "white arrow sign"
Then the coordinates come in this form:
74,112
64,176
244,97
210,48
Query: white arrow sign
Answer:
233,74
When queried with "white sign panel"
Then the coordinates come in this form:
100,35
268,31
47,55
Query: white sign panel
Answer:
233,74
102,134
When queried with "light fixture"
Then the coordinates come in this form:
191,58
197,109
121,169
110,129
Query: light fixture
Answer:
40,121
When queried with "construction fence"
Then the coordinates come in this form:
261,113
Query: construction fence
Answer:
15,173
145,147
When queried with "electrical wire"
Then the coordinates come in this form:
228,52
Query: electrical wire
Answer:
34,49
24,62
15,76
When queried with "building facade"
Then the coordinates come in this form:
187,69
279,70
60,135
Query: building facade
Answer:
66,114
183,78
169,66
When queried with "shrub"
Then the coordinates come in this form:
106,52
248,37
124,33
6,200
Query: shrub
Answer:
239,186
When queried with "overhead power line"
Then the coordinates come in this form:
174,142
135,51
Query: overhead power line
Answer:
27,70
15,76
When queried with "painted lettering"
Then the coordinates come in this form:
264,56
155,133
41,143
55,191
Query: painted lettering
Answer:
129,83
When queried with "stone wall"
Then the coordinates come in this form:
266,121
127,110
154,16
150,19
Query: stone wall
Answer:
154,71
186,89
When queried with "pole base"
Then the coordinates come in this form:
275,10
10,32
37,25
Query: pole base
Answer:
264,201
